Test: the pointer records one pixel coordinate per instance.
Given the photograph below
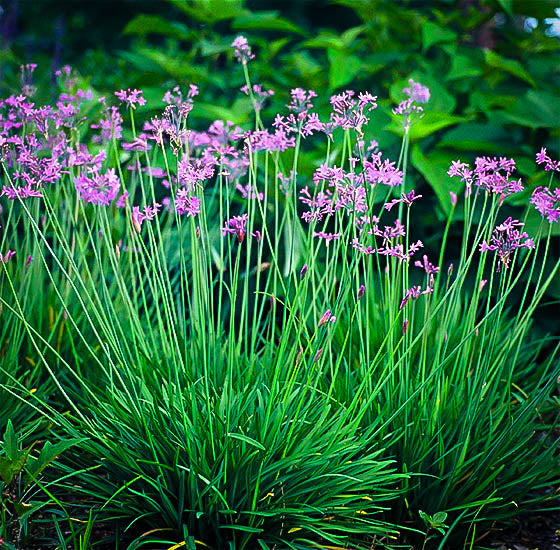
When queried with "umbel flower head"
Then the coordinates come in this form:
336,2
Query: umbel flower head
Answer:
242,50
236,226
505,239
547,203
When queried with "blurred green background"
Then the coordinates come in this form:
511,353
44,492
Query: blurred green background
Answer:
493,67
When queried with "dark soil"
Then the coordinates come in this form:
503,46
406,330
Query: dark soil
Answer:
534,532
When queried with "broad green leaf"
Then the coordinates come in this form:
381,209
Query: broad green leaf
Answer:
478,137
305,64
536,109
507,5
374,62
211,12
10,442
349,36
238,113
144,24
139,61
485,100
10,468
430,123
463,66
435,34
434,169
214,46
266,20
536,8
176,66
325,39
510,66
343,67
48,454
21,508
535,221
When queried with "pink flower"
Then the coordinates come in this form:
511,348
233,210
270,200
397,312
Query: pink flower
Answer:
6,258
506,238
549,164
547,203
186,203
326,318
429,268
131,97
417,92
236,226
242,50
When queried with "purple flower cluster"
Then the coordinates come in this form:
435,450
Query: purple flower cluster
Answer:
147,213
242,50
98,188
406,198
506,238
414,293
236,226
186,203
191,173
349,113
549,164
547,203
132,98
417,92
260,95
109,126
492,175
409,107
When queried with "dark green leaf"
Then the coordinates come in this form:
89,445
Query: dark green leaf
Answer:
434,169
510,66
266,20
10,442
343,67
430,123
435,34
153,24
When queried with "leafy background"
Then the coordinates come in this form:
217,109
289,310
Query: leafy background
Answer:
492,67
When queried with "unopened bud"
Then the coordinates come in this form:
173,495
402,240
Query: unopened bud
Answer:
361,291
325,318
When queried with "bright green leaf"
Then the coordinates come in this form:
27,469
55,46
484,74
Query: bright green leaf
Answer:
343,67
435,34
248,440
10,442
430,123
510,66
143,25
266,20
434,169
507,6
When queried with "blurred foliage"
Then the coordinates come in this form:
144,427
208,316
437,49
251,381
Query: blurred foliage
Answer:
491,65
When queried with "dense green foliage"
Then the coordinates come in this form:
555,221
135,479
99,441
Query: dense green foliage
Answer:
168,383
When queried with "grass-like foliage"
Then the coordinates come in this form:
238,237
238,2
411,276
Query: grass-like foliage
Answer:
228,353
